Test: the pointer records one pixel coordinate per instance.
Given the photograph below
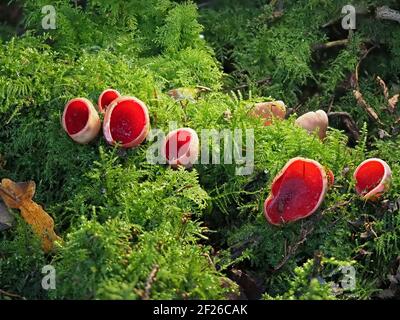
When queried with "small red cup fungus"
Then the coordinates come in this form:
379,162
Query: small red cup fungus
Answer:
297,191
106,98
314,121
269,111
181,147
373,178
127,122
331,177
80,120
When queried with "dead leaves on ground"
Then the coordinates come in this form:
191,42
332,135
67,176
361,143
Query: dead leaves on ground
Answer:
18,195
391,101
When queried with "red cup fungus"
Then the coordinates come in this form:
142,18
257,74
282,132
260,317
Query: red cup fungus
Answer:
297,191
331,177
269,110
373,178
127,122
80,120
181,147
314,121
106,98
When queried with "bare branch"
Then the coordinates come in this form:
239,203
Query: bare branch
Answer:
11,295
149,282
386,13
331,44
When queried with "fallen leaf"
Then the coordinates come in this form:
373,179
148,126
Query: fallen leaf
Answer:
393,102
19,196
383,86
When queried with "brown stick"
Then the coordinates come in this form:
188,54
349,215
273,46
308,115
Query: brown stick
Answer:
11,295
149,282
330,44
362,103
359,63
386,13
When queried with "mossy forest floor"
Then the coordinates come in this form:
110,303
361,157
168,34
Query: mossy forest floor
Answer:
133,230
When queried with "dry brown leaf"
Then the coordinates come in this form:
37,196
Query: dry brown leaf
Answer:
393,102
19,196
383,86
362,103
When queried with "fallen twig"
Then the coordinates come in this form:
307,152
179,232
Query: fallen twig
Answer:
362,103
149,282
359,63
331,44
11,295
386,13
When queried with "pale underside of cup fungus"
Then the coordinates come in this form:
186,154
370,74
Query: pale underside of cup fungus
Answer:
80,120
314,122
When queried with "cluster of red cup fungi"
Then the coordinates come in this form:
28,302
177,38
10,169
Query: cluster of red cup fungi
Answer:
300,187
296,192
126,122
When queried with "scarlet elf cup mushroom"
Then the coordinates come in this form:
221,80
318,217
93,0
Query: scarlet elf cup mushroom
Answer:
314,121
373,178
80,120
106,98
269,111
181,147
127,122
297,191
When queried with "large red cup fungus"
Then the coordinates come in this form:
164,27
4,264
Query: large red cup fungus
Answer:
372,178
181,147
106,98
314,121
127,122
297,191
269,111
80,120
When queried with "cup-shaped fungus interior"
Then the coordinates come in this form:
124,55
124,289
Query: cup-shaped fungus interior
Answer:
127,122
177,145
296,193
107,97
76,116
368,176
